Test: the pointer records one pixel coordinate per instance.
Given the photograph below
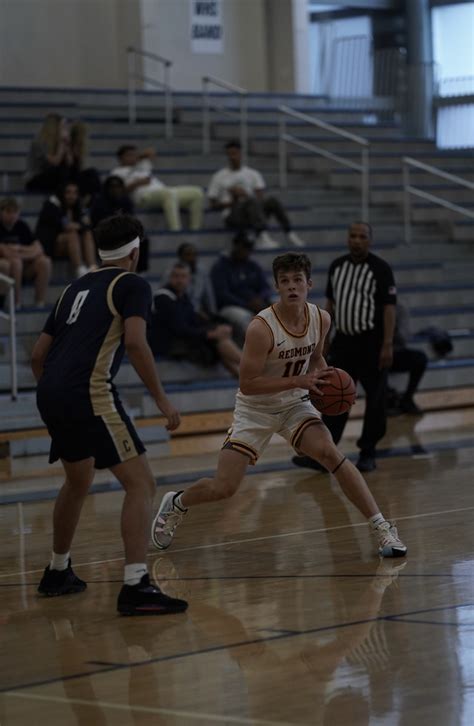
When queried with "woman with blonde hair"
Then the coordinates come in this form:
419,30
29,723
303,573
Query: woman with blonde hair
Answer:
49,163
57,156
88,179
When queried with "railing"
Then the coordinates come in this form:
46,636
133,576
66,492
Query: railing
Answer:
284,138
10,316
456,86
408,189
206,112
165,84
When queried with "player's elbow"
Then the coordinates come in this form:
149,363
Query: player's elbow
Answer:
246,386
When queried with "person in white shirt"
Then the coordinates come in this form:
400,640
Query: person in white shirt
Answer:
238,191
148,192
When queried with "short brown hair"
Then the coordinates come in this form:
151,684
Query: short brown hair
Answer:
292,262
9,203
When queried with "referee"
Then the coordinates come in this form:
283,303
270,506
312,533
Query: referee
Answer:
361,299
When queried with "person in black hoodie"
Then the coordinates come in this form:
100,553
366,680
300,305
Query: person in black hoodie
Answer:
112,200
64,230
178,332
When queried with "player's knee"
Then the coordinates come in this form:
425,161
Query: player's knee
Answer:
79,486
327,455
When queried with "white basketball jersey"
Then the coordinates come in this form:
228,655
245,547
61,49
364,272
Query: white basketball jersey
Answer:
289,356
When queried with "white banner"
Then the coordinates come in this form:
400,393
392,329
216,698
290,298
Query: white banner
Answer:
207,29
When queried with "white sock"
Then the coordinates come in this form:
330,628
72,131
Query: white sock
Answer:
59,562
134,573
376,520
178,503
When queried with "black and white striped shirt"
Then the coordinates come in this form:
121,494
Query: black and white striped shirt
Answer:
359,291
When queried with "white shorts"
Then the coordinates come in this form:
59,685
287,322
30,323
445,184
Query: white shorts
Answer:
253,428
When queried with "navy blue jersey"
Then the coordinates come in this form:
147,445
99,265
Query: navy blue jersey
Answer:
87,325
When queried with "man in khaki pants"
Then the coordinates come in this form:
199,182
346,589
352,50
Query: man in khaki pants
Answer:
148,192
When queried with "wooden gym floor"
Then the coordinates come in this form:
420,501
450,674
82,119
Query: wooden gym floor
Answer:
292,620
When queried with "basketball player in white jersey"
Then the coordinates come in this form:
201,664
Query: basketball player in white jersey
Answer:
282,362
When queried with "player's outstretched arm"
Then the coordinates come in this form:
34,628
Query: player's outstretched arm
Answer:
141,358
258,344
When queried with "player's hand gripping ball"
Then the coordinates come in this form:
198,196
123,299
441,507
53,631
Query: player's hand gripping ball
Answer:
339,393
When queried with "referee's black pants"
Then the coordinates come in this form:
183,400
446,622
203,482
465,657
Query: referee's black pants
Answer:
359,356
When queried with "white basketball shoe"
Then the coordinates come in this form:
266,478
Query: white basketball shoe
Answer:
389,543
168,517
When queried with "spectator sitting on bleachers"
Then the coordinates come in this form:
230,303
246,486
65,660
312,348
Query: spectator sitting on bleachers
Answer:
65,231
200,291
240,285
57,156
238,191
179,332
87,179
405,360
23,254
49,162
112,200
148,192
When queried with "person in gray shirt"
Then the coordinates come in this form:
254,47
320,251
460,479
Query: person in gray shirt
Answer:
200,290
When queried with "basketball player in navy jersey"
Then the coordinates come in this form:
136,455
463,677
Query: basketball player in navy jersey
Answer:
281,362
74,361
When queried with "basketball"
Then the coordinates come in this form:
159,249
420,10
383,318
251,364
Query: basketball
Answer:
339,393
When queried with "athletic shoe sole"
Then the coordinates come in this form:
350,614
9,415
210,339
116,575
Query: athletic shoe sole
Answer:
392,552
151,611
72,590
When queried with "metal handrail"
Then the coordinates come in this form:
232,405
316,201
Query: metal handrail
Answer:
408,189
206,112
11,317
451,81
134,76
284,138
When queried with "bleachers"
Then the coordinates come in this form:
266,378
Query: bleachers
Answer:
434,275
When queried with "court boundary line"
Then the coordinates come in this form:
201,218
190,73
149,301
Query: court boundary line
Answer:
281,535
189,477
148,709
111,667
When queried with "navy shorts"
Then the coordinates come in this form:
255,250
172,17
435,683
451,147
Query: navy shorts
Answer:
109,439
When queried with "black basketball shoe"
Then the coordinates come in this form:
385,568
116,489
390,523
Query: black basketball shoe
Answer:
60,582
147,599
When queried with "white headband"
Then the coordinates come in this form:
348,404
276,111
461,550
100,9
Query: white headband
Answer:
120,251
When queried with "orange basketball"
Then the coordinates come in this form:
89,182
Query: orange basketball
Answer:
339,393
